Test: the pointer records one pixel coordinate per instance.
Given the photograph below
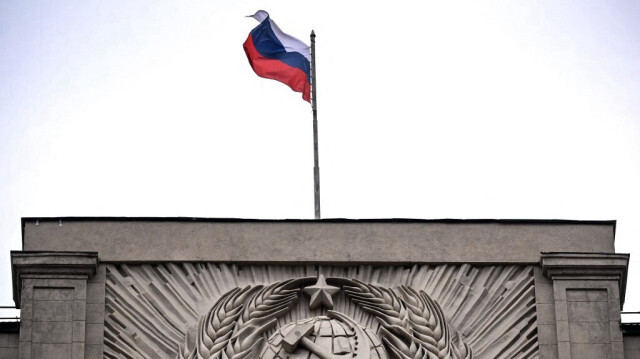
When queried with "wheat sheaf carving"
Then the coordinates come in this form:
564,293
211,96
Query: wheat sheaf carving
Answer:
165,310
413,325
234,327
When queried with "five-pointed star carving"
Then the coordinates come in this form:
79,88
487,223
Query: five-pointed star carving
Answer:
321,293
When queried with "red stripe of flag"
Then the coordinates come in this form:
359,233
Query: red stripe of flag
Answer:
277,70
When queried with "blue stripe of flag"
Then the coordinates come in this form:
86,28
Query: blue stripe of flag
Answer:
268,45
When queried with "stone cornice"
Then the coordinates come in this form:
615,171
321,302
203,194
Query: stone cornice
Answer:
585,266
52,265
144,240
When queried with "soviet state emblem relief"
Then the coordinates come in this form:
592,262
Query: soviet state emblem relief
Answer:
243,324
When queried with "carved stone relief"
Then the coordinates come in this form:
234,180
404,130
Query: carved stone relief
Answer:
204,310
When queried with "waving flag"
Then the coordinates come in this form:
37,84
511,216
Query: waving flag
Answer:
278,56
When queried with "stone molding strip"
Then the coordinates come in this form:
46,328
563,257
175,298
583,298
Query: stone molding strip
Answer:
50,265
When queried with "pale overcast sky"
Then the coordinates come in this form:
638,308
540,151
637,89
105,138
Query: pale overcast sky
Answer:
427,109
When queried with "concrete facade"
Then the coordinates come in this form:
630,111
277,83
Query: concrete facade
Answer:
587,298
51,288
631,335
9,339
351,241
110,288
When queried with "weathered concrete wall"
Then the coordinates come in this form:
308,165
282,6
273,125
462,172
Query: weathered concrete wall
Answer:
9,345
52,291
94,327
631,347
581,302
546,316
141,240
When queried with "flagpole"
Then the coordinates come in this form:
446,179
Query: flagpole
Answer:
314,109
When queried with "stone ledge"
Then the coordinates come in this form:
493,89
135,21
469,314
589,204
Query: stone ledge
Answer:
50,265
147,240
576,266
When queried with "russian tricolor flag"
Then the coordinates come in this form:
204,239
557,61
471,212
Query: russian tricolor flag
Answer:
278,56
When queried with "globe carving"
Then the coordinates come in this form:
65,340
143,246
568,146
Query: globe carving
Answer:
333,336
